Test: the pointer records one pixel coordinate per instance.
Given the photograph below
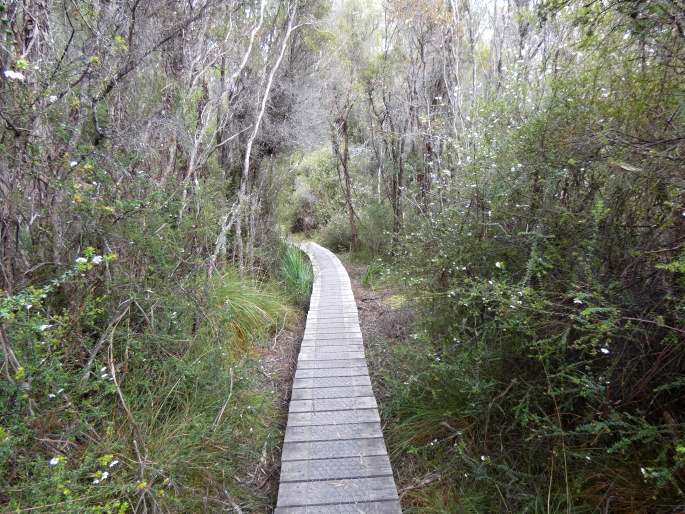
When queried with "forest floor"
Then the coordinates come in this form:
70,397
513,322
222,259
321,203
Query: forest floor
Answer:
385,318
279,362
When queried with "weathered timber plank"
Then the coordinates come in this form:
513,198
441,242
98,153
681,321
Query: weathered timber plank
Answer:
334,458
364,402
332,432
338,339
331,392
360,380
329,469
298,419
333,363
315,355
333,449
332,348
331,372
380,507
337,491
330,342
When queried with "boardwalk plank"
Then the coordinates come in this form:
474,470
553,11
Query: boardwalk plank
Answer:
364,402
313,343
332,348
381,507
307,354
332,432
333,417
333,449
329,469
331,372
302,383
337,491
332,392
332,363
334,458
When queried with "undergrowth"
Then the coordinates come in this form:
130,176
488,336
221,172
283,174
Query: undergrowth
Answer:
546,374
298,275
158,404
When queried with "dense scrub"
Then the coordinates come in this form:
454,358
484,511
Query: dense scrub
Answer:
146,389
535,213
141,272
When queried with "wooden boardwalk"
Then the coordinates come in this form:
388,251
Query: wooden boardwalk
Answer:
334,458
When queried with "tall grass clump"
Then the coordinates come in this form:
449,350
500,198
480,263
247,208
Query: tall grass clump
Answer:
297,274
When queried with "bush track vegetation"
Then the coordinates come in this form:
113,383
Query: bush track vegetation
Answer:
540,242
513,169
133,328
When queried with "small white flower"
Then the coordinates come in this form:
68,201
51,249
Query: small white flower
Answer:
43,328
605,351
73,163
14,75
104,476
52,99
51,396
643,471
483,458
97,259
499,265
578,301
28,306
81,260
54,461
113,463
96,481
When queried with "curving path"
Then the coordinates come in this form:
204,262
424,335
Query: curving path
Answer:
334,458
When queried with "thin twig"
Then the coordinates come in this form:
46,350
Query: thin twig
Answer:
217,420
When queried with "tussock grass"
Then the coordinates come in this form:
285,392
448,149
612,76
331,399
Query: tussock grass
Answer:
297,274
186,425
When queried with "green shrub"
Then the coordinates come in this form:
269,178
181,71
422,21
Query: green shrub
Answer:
174,403
375,227
373,273
298,275
337,235
547,374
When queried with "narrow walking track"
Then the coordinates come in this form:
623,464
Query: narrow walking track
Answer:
334,458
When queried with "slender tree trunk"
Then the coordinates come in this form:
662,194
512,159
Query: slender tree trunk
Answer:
243,195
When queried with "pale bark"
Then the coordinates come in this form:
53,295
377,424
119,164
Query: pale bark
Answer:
243,195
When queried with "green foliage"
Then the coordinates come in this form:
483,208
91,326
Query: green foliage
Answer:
174,402
375,228
547,373
372,274
337,235
298,275
313,195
